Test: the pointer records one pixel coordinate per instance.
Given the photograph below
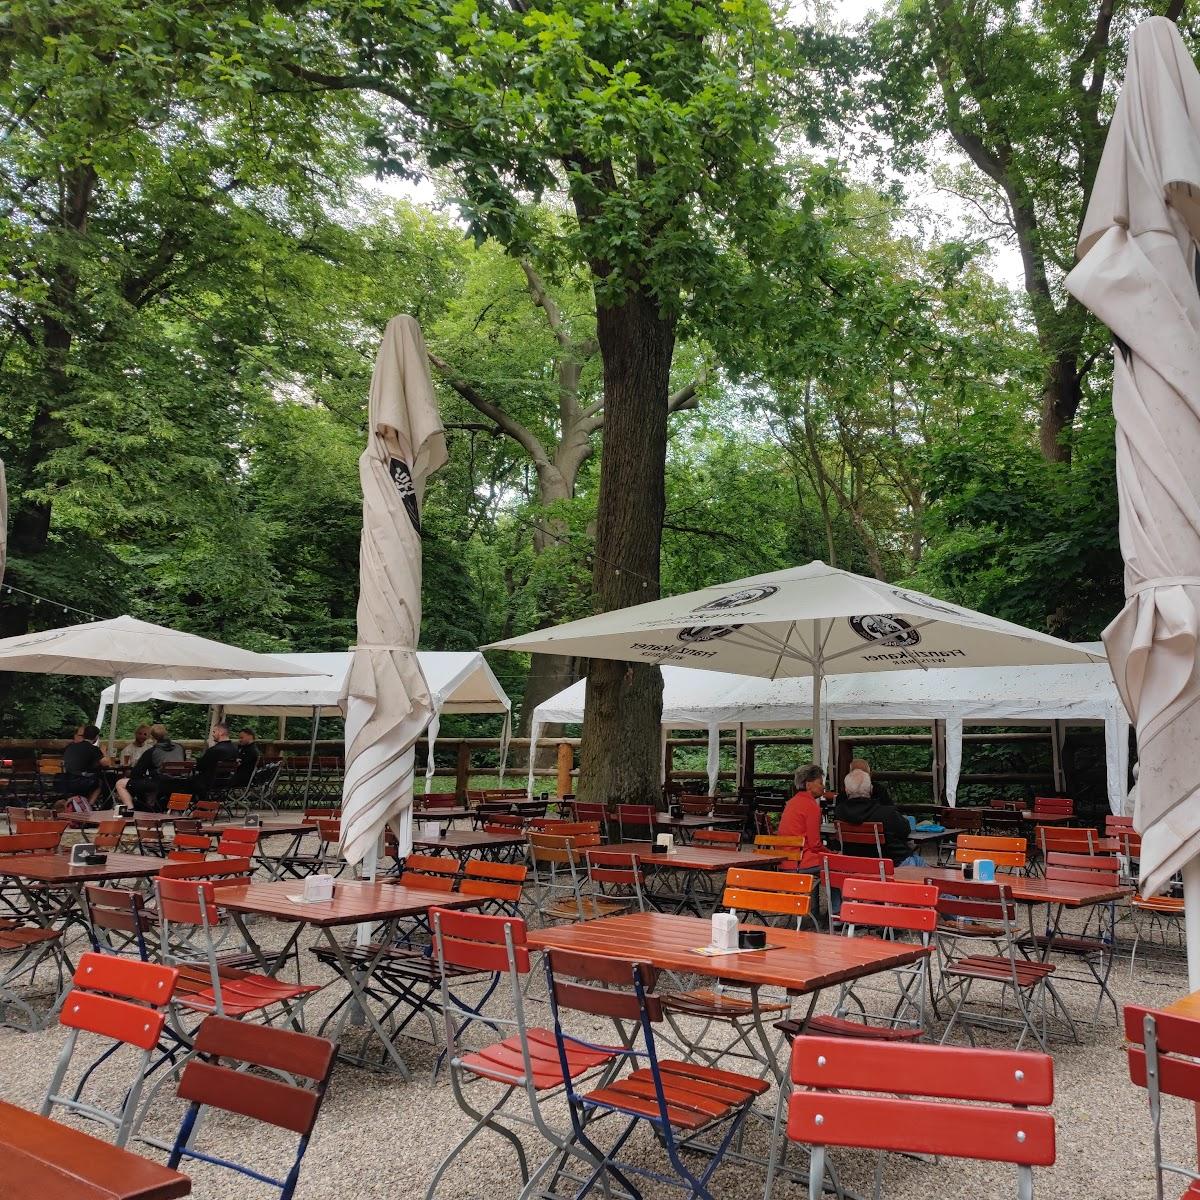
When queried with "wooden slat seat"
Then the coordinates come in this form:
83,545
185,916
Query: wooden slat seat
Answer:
589,908
998,966
831,1026
696,1096
502,1061
703,1002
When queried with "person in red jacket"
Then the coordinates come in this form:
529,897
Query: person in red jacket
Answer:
802,818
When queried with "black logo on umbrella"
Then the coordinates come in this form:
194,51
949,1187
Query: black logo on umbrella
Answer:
738,599
402,478
885,630
706,633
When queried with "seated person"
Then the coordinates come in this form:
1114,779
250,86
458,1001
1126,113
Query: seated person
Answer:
860,802
247,758
142,790
82,761
802,818
134,750
221,754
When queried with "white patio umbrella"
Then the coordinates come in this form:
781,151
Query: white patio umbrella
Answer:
388,703
1138,274
806,621
124,646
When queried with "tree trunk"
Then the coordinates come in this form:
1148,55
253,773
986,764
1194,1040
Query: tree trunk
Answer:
619,757
1061,394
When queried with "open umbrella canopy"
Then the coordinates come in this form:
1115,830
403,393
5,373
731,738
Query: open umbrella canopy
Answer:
1138,274
803,621
813,621
126,646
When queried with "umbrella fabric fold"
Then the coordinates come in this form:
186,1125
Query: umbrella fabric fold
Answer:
1138,274
387,701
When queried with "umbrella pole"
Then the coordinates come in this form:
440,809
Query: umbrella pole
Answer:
818,677
112,720
1191,919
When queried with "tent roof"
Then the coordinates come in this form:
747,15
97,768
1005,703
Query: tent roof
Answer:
459,682
986,694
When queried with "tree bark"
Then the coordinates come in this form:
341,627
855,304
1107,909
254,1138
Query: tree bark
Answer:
619,756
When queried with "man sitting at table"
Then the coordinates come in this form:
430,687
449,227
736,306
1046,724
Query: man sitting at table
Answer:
247,758
861,801
141,790
81,763
221,754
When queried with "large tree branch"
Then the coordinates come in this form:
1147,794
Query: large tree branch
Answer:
684,398
544,301
511,426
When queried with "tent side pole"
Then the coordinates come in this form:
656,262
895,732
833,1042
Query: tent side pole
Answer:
1056,763
312,750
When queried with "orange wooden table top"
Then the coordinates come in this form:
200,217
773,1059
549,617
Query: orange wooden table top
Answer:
43,1160
799,961
1186,1006
56,868
469,839
1026,888
351,903
697,858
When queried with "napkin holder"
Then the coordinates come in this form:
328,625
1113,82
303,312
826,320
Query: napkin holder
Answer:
431,829
667,842
318,887
81,852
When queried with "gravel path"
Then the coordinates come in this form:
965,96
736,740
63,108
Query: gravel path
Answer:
381,1137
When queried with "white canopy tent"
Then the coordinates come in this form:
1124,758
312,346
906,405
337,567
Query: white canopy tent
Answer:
982,695
459,682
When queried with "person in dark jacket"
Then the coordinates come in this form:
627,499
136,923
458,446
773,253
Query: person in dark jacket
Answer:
247,758
81,763
861,801
142,790
222,754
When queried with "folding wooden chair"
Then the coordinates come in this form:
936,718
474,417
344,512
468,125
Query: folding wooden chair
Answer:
1094,951
725,838
528,1064
774,845
681,1101
636,822
190,848
1007,853
498,885
865,839
1028,982
239,843
209,1082
617,878
36,828
761,895
1163,1048
125,1001
996,1123
837,868
893,911
591,812
1163,915
560,875
118,922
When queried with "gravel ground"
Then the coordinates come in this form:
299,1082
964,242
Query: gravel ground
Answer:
381,1137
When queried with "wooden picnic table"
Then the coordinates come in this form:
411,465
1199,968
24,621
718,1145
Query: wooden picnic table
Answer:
353,903
270,825
465,842
689,821
442,814
803,963
1026,889
697,865
45,1160
55,869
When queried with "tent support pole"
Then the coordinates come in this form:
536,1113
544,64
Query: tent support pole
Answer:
1056,764
312,750
112,720
1191,919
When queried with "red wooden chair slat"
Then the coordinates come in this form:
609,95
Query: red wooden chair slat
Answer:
477,941
112,1018
126,978
921,1127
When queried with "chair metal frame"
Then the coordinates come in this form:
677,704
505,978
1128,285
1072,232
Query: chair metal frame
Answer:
126,1001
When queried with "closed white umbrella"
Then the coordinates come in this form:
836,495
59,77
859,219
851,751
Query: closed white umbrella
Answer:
1138,274
387,700
806,621
124,646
